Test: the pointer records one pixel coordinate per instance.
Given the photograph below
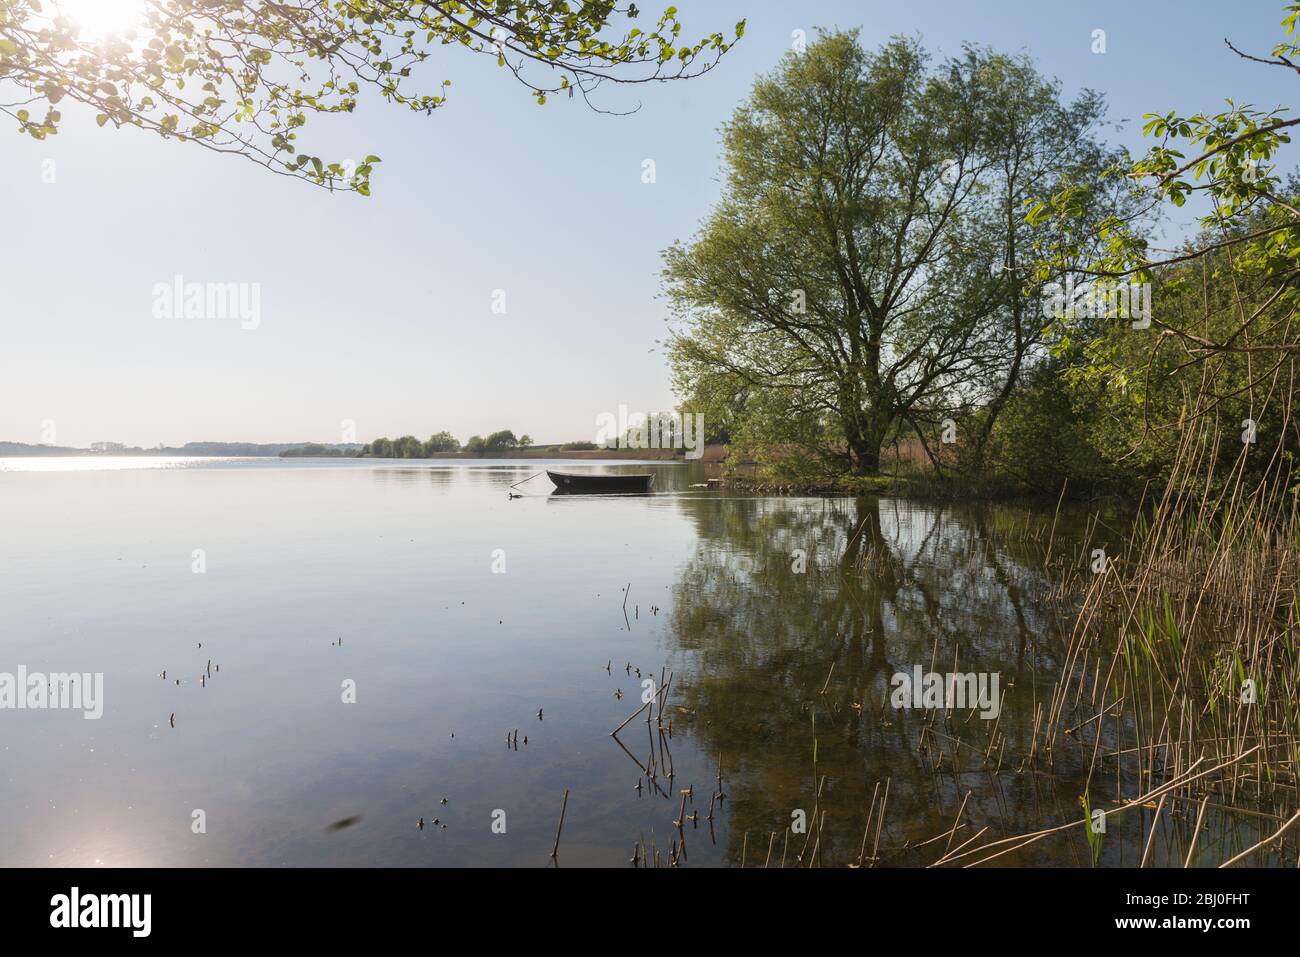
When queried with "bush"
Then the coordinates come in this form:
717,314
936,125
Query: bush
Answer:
441,442
501,441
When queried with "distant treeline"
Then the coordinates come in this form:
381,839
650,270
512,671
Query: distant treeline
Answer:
409,447
252,448
22,448
315,450
241,449
406,447
442,443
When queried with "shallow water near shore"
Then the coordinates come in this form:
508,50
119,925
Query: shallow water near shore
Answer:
460,616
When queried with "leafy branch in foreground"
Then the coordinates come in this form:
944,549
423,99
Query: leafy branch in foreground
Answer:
1232,167
1246,245
243,76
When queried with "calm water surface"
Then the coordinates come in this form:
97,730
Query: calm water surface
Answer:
449,656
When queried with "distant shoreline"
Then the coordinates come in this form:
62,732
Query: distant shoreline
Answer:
189,450
712,453
664,455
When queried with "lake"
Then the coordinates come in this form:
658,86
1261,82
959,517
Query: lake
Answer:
348,644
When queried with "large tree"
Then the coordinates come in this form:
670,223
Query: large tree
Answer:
863,270
243,76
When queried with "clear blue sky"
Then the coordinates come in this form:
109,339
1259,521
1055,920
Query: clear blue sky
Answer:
379,310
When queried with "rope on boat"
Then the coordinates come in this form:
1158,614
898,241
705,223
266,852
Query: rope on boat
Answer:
529,479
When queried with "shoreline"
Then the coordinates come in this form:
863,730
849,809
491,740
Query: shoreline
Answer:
613,455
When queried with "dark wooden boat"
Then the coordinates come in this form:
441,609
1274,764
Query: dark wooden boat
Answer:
567,482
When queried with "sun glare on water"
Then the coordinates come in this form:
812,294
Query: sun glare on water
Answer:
101,18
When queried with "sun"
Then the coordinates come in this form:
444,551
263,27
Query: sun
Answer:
101,18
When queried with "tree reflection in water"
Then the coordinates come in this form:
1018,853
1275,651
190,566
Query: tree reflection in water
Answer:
786,673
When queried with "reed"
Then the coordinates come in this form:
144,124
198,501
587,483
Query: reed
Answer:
1185,653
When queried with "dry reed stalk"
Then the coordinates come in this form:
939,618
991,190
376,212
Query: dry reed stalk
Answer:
563,807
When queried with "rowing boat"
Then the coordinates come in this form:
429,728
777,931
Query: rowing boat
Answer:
567,482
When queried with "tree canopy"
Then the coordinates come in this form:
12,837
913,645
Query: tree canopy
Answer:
244,76
867,267
442,442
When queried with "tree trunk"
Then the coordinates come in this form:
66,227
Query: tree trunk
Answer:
864,449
